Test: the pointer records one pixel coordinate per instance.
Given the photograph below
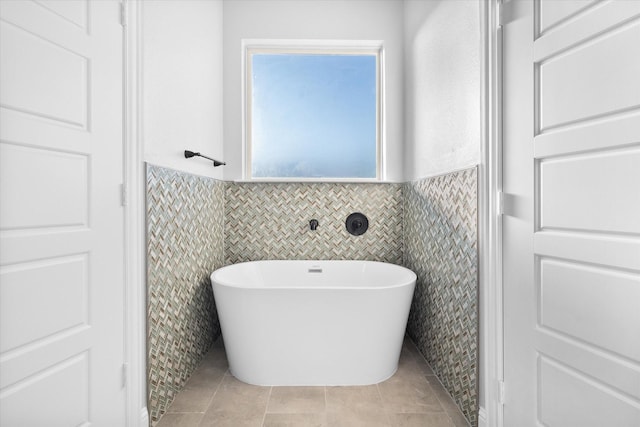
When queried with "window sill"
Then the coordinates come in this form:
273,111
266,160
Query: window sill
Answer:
314,180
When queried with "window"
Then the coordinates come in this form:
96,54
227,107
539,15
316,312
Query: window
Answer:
313,113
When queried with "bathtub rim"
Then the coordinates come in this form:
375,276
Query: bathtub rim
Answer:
410,281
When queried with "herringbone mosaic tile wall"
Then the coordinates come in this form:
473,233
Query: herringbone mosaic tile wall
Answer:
429,226
271,221
441,247
184,245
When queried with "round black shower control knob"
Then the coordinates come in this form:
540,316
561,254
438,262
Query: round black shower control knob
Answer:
357,224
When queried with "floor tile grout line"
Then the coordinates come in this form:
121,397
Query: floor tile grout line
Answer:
448,412
444,409
185,387
325,401
217,389
384,408
264,416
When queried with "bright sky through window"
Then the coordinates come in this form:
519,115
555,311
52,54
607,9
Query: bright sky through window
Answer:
313,116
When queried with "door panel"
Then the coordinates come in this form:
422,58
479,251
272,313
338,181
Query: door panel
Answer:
54,408
59,94
568,187
55,179
61,220
74,11
584,401
574,298
590,79
571,231
62,287
553,15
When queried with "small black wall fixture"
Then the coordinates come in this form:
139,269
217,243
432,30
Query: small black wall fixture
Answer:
188,154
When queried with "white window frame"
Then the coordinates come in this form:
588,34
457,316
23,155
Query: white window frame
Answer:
328,47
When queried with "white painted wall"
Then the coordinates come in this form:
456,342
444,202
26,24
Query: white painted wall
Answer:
432,89
442,86
312,19
182,83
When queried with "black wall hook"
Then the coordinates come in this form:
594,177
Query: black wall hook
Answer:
188,154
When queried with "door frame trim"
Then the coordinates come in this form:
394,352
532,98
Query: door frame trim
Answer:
135,375
490,220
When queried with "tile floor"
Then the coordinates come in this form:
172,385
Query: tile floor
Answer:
412,397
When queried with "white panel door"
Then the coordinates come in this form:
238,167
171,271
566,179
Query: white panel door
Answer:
61,220
571,226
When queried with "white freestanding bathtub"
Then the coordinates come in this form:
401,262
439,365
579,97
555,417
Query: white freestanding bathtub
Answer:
313,322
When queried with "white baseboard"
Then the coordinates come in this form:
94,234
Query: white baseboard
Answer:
482,417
